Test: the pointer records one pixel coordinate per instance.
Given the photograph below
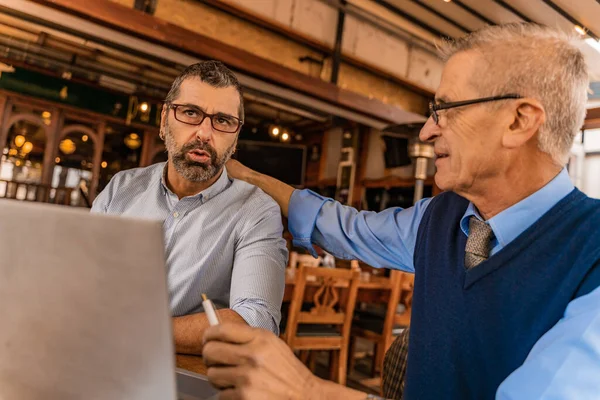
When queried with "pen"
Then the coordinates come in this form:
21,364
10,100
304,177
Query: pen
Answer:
209,310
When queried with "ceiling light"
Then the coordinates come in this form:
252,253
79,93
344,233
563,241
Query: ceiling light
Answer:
19,140
581,30
144,107
285,137
67,146
274,131
57,160
84,138
27,147
447,1
133,141
46,114
104,164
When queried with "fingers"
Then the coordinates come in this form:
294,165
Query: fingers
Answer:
237,394
221,353
232,333
228,377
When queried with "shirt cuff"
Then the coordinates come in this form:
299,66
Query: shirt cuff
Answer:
258,317
303,211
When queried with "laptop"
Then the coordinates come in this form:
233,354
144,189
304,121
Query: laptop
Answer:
84,308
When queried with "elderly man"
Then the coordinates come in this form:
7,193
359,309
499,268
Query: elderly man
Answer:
507,261
223,237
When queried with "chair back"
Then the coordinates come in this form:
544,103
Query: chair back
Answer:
332,292
406,284
303,259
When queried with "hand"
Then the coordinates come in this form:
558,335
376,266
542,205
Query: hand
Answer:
237,170
252,363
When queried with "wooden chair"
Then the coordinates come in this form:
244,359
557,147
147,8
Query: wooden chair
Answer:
382,327
303,259
326,325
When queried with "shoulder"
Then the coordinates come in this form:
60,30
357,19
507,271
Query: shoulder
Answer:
252,199
138,175
127,185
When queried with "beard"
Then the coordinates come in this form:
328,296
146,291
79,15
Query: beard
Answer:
195,171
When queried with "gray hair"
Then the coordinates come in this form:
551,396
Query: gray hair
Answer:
533,61
215,73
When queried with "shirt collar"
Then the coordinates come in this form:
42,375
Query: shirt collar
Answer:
220,184
513,221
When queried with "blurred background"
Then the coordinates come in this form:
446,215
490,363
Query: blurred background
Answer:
335,90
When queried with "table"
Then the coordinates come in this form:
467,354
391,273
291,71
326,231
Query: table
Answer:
190,363
374,290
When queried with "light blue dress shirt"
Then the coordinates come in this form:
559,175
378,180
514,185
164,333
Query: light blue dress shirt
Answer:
563,364
226,241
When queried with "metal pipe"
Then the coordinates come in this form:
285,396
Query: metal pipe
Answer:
421,153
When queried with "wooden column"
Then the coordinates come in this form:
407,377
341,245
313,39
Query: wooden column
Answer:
147,148
98,149
4,111
323,158
361,166
51,145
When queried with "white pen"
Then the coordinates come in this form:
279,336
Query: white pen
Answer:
209,310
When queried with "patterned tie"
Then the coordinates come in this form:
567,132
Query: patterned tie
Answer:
478,242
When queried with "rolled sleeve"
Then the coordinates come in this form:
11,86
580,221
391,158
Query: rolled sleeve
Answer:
304,209
258,277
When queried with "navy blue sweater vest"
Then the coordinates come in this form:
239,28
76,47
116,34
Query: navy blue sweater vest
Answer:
471,329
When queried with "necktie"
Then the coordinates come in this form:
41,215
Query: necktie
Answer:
478,242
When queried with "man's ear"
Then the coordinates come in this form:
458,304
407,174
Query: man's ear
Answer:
163,121
527,117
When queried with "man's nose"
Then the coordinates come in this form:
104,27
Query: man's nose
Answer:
429,131
204,131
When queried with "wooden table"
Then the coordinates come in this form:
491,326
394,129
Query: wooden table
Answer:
191,363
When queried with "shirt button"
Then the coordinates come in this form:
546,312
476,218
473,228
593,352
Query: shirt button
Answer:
176,214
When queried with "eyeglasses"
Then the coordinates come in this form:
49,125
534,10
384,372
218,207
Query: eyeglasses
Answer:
193,115
434,108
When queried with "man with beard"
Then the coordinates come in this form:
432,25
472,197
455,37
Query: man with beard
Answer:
223,237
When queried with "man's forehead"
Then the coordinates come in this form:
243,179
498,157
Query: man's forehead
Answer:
459,77
211,99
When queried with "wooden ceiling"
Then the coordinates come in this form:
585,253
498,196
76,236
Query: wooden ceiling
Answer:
431,19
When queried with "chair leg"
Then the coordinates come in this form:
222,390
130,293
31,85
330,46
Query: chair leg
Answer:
334,365
304,356
343,360
379,358
351,354
375,359
312,360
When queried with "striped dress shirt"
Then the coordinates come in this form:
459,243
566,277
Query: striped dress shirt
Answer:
226,241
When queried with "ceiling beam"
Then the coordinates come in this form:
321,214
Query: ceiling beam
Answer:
442,16
513,10
135,26
569,18
410,18
473,12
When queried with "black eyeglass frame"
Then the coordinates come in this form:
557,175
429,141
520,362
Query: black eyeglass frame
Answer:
434,108
174,107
